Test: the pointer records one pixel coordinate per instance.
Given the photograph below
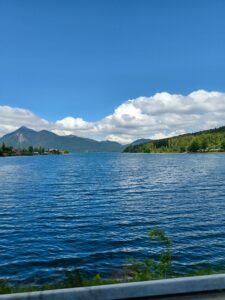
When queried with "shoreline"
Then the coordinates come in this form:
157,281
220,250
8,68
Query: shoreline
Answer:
182,153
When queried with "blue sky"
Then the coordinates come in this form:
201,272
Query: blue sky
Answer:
84,58
89,56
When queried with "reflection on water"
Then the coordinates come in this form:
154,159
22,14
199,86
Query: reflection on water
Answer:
93,211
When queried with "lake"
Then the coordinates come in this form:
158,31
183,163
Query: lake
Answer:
94,211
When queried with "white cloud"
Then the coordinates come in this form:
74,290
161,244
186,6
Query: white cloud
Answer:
73,123
11,118
157,116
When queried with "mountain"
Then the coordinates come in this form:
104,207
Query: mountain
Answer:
25,137
202,141
140,141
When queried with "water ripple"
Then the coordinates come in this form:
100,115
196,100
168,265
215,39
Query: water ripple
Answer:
93,211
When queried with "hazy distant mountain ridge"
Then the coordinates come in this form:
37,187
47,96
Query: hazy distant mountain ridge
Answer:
140,141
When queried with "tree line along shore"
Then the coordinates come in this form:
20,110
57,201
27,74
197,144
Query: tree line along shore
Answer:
11,151
207,141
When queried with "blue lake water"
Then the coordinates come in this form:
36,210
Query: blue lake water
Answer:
93,211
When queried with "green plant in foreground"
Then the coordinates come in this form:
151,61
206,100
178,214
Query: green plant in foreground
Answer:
138,270
152,268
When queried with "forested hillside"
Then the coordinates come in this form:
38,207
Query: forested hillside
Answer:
203,141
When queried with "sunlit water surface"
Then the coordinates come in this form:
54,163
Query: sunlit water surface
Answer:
93,212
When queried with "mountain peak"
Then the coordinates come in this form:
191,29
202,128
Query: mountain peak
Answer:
24,129
24,137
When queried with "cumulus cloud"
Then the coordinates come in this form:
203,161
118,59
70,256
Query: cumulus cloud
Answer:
11,118
157,116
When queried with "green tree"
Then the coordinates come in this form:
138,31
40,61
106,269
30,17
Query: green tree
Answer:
223,145
194,146
182,149
31,149
4,148
204,144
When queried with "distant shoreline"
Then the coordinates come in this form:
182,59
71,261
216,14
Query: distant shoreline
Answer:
27,154
6,151
181,153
